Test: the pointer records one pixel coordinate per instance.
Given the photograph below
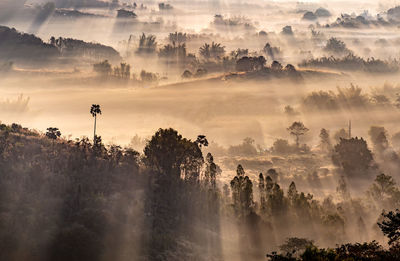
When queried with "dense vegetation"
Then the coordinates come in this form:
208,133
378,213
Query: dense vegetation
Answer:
81,200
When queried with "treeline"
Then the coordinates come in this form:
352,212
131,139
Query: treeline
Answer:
352,62
351,97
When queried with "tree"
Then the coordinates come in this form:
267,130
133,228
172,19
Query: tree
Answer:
276,66
297,129
336,46
383,187
147,44
354,157
168,153
248,64
325,142
213,51
292,192
340,134
123,71
103,68
390,226
295,246
211,171
379,139
205,51
342,189
53,133
94,110
270,51
239,53
242,192
177,37
201,141
261,188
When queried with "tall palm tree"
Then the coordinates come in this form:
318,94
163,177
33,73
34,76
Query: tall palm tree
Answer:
94,110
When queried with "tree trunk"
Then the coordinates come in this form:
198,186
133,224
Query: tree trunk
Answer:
94,134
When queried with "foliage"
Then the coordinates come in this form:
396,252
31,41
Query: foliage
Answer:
297,129
242,192
148,76
247,64
214,51
390,226
335,46
147,45
295,245
103,68
354,157
352,62
69,47
53,133
168,153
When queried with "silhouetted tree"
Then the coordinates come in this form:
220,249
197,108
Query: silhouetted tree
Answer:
170,154
354,157
103,68
242,192
297,129
342,189
248,64
147,44
53,133
295,246
177,37
325,142
390,226
379,139
94,110
211,171
276,66
213,51
202,141
336,46
384,187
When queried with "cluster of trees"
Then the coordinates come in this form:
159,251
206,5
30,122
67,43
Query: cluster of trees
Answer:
237,22
212,57
319,13
352,62
346,98
122,72
363,20
337,47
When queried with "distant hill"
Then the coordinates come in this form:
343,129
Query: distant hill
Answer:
16,46
25,48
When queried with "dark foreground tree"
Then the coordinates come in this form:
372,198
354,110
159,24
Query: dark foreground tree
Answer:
242,192
390,226
168,153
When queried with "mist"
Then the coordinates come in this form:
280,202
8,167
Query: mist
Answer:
202,130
